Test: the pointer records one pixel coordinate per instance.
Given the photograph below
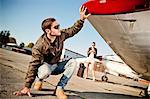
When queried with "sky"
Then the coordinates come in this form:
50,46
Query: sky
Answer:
23,19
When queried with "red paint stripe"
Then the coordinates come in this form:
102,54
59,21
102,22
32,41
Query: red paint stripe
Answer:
113,6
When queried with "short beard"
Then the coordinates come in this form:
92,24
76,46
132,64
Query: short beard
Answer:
53,35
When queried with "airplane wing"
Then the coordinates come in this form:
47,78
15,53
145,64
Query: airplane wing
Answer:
125,26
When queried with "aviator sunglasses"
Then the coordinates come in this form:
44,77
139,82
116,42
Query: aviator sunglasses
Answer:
57,26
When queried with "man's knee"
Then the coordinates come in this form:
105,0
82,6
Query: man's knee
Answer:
44,71
73,62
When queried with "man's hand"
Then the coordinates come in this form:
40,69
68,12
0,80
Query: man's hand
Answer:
24,91
83,14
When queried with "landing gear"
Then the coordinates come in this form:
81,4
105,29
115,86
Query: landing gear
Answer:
146,92
104,78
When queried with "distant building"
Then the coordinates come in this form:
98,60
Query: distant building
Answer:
68,54
10,46
12,40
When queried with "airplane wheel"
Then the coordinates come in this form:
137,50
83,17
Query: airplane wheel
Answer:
146,93
104,78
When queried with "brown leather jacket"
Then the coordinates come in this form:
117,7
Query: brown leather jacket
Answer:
44,51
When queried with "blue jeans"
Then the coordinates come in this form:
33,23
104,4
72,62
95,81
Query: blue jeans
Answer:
65,67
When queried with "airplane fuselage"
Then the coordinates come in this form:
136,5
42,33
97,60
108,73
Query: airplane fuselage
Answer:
127,31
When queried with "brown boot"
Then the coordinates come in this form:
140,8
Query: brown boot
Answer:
38,85
60,94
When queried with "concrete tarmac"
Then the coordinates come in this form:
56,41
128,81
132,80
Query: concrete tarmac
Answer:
13,67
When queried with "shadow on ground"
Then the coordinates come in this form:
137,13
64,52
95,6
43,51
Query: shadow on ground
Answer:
99,95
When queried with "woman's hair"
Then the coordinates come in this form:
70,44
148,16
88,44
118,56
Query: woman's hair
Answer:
93,42
46,24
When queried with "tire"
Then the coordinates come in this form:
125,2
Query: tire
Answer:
104,78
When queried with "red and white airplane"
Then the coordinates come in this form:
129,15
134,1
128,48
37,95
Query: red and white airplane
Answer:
125,26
